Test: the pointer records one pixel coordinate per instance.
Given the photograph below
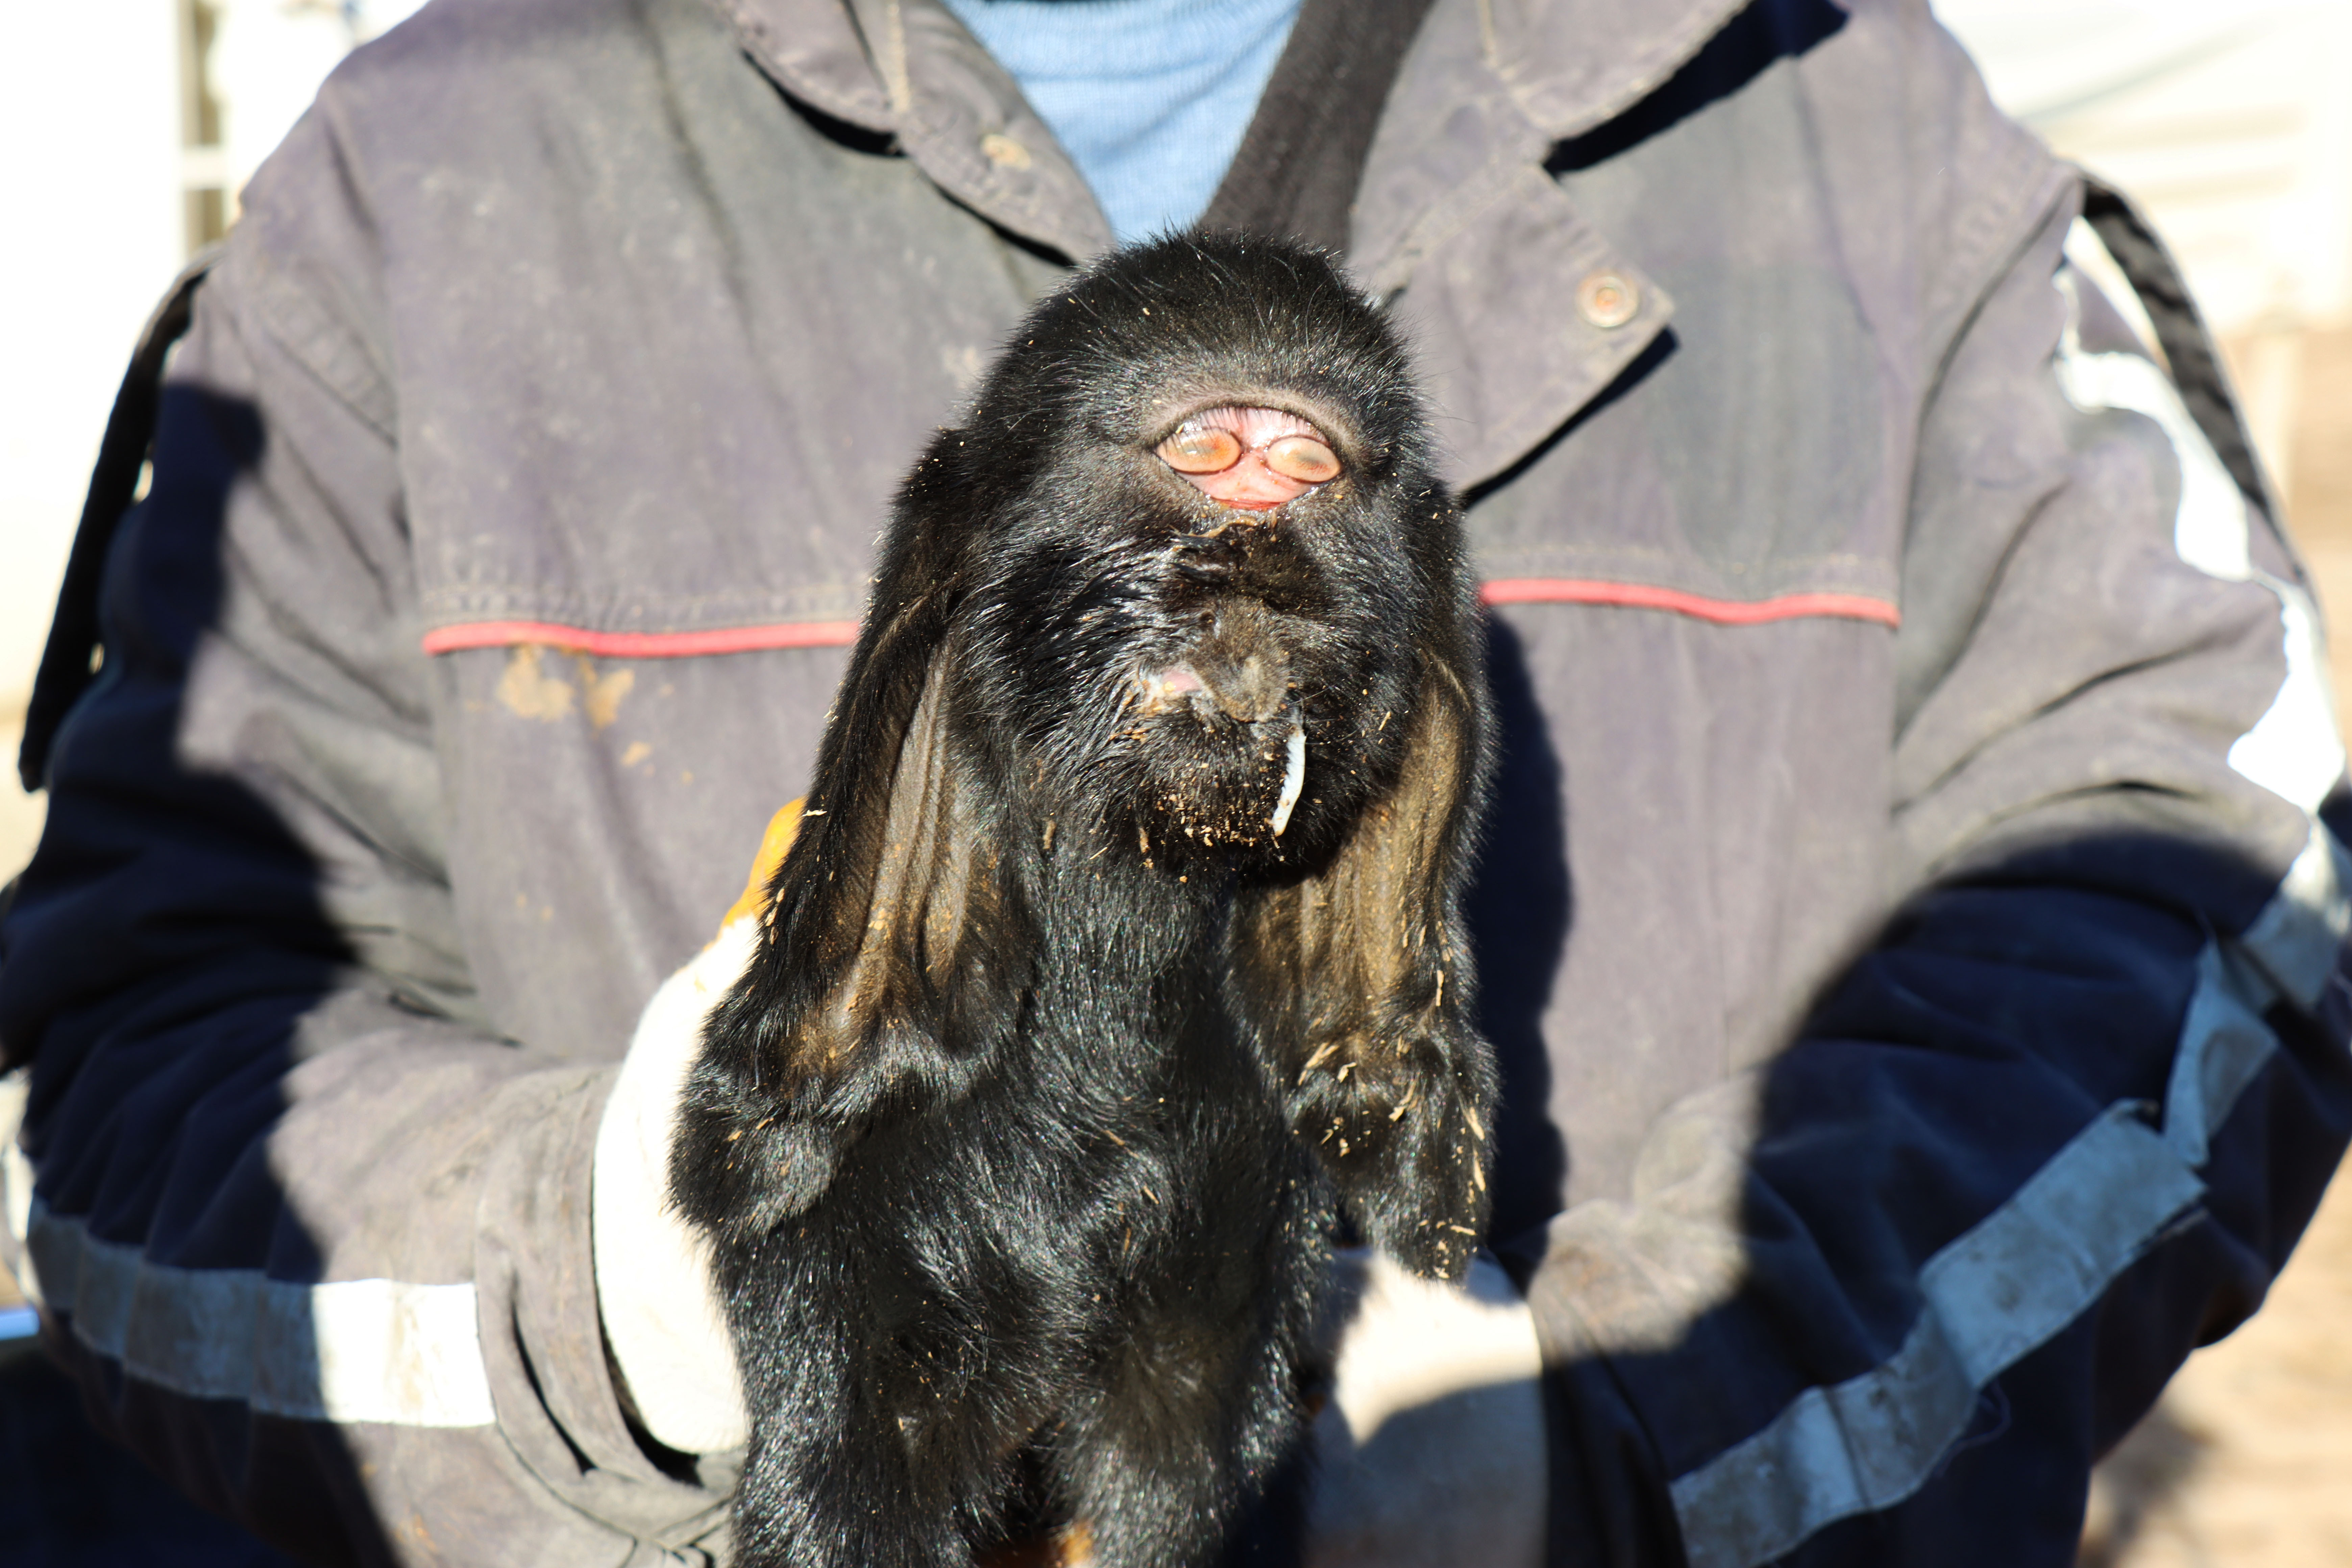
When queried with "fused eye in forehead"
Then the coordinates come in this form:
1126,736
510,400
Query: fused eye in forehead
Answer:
1254,458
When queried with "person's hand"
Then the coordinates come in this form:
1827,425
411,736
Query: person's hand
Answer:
1430,1453
662,1316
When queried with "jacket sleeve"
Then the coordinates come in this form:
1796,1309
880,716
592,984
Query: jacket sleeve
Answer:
1887,1298
314,1239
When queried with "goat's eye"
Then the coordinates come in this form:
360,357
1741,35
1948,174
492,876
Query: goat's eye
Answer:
1200,449
1304,458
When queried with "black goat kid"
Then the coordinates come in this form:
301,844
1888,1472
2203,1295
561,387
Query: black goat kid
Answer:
1118,940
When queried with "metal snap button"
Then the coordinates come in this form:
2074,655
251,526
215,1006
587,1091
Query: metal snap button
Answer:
1607,300
1003,151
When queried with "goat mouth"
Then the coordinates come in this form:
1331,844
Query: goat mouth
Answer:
1163,689
1262,742
1251,692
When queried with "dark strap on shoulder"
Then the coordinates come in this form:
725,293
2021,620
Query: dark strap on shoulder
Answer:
2180,332
1296,173
66,662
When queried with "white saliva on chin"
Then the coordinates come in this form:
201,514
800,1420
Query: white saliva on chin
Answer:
1294,773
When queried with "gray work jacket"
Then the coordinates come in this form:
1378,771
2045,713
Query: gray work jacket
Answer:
1906,922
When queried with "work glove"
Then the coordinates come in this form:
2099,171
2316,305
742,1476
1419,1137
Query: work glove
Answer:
663,1320
1430,1448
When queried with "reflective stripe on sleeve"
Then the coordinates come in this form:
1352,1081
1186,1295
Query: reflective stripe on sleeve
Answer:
2030,1268
353,1351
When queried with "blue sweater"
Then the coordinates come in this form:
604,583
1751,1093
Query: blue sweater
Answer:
1150,97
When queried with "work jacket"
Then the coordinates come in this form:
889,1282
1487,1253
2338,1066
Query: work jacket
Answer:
1906,922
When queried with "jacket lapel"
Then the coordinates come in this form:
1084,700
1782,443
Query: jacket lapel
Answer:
1521,309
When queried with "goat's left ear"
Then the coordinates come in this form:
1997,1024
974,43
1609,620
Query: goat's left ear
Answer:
892,956
1358,987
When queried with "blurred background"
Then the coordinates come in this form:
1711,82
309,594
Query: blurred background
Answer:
128,127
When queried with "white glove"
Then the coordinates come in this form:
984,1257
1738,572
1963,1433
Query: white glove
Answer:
1431,1453
662,1314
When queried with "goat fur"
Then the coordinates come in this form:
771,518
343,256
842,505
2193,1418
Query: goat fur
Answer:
1022,1139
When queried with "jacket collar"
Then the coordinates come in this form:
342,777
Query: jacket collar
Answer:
1572,65
813,50
1455,201
906,69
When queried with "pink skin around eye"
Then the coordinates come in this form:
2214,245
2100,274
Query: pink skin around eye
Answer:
1250,459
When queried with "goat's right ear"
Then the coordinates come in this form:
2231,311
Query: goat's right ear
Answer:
1356,985
891,951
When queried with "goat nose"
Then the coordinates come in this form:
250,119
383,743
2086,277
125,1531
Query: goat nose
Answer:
1251,690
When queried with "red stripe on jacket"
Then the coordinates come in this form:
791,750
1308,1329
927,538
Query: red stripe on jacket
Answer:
1723,612
841,633
642,645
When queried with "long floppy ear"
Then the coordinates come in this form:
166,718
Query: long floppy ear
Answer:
1357,986
891,956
